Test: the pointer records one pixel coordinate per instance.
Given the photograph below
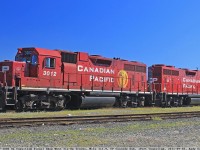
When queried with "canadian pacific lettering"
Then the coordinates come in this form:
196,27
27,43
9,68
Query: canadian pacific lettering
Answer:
189,86
101,79
191,80
97,70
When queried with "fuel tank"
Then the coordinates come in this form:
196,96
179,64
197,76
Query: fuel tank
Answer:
97,102
195,101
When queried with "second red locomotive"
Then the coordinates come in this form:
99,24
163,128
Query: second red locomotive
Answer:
56,79
179,86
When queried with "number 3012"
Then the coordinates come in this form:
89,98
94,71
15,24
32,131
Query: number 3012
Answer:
49,73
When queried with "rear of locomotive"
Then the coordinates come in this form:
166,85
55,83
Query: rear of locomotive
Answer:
9,82
173,86
135,93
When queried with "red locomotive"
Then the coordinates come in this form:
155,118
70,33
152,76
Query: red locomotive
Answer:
176,85
56,79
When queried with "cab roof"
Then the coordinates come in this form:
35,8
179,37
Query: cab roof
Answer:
42,51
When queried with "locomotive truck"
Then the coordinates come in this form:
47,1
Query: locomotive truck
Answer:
56,79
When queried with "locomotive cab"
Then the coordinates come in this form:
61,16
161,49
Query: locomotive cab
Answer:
41,68
30,57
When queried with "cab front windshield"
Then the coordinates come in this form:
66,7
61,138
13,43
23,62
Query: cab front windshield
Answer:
27,56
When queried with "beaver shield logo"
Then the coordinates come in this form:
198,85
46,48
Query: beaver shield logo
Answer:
122,78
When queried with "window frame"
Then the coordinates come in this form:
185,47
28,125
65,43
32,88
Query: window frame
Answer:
45,62
69,57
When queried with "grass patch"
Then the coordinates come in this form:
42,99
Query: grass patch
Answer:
105,111
68,138
157,118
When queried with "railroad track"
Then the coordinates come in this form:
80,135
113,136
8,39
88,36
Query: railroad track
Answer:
68,120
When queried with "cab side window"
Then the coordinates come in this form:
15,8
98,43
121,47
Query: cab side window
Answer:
34,60
49,63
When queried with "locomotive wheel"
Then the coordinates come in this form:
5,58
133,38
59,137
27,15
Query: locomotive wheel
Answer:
19,106
134,104
168,103
60,105
35,105
141,103
180,103
174,103
52,105
75,102
187,101
2,102
124,104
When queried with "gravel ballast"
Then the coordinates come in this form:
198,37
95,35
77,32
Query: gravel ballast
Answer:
156,133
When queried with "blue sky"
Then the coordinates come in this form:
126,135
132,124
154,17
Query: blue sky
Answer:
150,31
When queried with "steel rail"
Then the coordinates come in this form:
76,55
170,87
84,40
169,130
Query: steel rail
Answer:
67,120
